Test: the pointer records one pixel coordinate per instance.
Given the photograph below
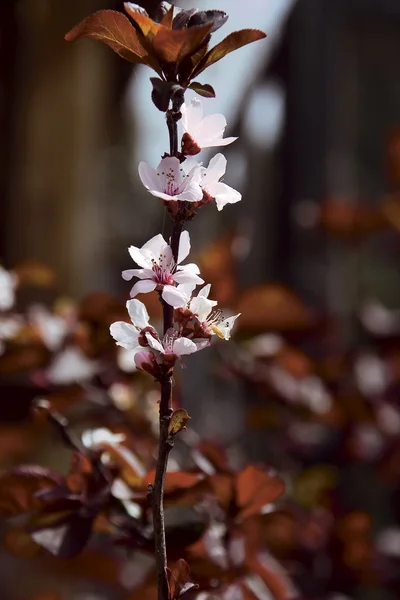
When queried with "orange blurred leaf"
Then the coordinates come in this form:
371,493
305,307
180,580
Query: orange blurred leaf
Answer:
255,488
19,486
18,542
272,307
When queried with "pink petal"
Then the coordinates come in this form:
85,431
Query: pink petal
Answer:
148,177
192,115
216,168
141,273
142,287
124,334
223,194
139,258
187,277
138,313
184,346
212,127
184,246
155,246
153,343
173,296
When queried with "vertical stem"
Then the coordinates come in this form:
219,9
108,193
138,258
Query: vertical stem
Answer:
166,441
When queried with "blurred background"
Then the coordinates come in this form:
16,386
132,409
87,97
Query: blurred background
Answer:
310,257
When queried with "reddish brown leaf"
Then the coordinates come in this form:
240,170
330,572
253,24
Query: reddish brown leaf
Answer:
115,30
223,487
146,25
233,41
173,45
178,421
203,89
18,489
167,19
256,488
178,580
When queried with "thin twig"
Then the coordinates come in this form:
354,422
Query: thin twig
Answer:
166,441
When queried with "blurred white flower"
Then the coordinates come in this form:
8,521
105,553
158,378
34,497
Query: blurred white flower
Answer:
71,366
99,439
52,327
8,282
170,181
202,132
159,270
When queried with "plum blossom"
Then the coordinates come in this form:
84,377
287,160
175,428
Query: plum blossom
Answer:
172,345
210,180
170,181
212,320
8,282
127,335
202,132
159,270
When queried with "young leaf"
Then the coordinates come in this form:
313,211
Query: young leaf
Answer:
178,580
203,89
146,25
173,45
167,19
232,42
178,421
115,30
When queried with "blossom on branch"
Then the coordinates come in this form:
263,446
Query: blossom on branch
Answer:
127,335
201,309
170,181
159,270
202,132
210,182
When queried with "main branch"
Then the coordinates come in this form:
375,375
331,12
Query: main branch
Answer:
166,441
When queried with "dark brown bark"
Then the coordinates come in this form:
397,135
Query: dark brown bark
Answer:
166,441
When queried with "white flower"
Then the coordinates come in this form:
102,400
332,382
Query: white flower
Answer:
71,366
210,180
158,269
8,282
213,320
127,335
203,132
202,307
172,344
170,181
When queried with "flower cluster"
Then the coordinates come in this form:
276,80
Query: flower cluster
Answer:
187,180
181,182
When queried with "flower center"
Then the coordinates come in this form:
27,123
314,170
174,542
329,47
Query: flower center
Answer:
162,270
